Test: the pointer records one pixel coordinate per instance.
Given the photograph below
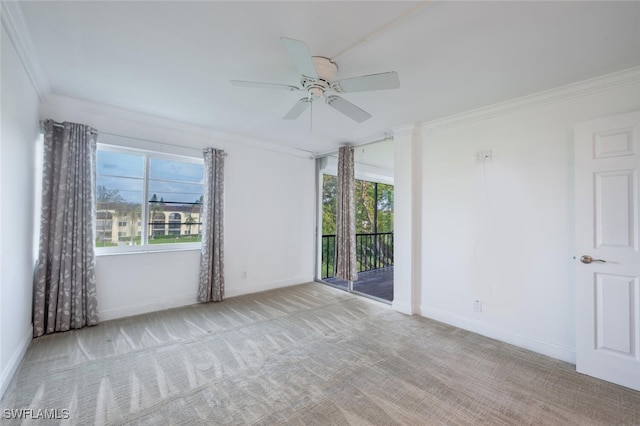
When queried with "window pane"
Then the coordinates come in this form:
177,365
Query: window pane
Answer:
365,206
176,171
329,204
118,164
118,209
385,208
329,211
174,192
175,197
174,223
116,190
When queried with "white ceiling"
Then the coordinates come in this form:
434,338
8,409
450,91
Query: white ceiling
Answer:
175,59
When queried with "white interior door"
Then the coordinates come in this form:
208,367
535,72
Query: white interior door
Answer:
607,167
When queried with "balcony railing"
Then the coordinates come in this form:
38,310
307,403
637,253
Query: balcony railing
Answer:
373,251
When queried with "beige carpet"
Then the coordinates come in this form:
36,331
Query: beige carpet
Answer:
305,355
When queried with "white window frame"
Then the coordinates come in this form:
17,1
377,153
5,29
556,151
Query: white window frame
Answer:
146,248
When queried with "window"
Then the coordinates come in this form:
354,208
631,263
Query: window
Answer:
374,224
154,199
104,231
157,223
175,221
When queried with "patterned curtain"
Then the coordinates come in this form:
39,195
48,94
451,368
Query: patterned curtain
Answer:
212,257
346,268
64,294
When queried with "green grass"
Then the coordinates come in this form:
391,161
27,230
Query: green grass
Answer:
169,239
105,243
159,239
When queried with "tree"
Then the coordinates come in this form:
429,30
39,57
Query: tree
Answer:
189,221
329,204
365,206
385,208
374,215
108,196
110,200
153,210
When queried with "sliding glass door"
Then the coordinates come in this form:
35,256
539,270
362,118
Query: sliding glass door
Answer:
374,194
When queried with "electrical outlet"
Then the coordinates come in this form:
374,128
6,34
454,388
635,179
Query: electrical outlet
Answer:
477,306
483,156
244,275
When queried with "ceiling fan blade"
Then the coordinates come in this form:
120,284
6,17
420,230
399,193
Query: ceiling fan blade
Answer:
301,57
298,109
348,109
242,83
382,81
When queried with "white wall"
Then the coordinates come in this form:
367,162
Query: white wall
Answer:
362,170
269,215
503,234
378,154
18,138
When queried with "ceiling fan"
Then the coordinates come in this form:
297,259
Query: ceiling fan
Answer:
318,80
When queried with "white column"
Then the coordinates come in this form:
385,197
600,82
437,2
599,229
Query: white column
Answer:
407,218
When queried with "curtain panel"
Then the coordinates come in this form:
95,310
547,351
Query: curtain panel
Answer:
346,268
211,288
64,294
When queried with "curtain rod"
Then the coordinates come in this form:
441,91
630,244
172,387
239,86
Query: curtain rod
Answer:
334,152
95,132
60,125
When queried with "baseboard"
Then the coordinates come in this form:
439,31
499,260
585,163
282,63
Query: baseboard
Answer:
128,311
14,362
542,347
405,308
233,292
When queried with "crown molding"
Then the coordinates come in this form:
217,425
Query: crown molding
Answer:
15,25
570,91
334,151
106,113
410,129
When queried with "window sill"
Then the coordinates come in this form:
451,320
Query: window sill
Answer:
117,251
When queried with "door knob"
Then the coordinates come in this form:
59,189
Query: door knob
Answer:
588,259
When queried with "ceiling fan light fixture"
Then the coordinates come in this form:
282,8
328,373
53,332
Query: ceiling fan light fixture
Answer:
315,92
